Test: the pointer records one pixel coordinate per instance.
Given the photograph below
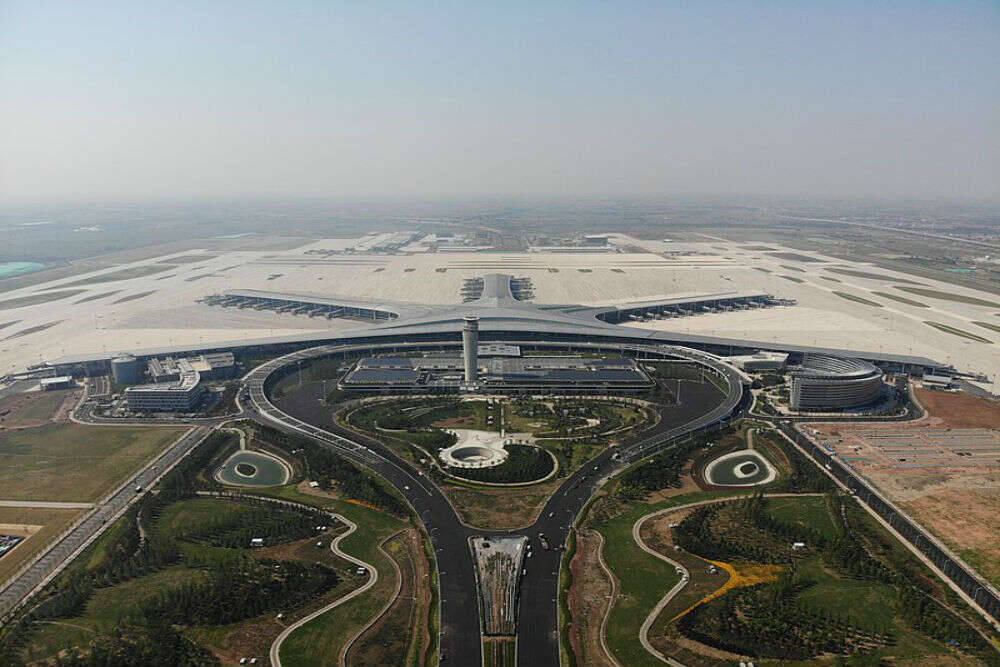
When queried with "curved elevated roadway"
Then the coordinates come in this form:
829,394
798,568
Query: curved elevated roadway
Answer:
538,629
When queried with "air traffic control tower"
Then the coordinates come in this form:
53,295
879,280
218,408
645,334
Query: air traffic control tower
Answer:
470,349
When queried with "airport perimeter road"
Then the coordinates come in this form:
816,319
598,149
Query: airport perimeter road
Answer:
61,552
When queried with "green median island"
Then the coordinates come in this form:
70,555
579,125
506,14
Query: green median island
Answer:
499,459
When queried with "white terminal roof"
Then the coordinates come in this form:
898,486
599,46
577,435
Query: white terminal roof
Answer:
498,311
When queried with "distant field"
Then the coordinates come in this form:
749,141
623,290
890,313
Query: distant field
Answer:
186,259
957,332
948,296
94,297
794,257
133,297
35,299
901,299
42,525
987,325
124,274
871,276
34,329
858,299
70,462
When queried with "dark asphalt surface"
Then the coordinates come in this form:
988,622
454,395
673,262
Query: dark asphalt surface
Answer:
538,631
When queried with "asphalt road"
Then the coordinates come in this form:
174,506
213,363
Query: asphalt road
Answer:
538,631
60,553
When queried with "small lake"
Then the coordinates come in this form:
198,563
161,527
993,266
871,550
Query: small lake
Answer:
8,269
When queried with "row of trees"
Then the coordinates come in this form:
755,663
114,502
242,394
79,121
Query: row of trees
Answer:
135,646
765,621
237,592
275,524
329,469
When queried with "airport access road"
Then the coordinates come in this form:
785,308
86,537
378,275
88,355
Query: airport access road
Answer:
460,642
538,617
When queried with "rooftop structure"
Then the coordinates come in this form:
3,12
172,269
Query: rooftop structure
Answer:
823,382
498,374
178,395
209,366
501,318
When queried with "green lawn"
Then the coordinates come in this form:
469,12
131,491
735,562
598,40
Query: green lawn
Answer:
318,643
643,578
808,511
857,299
957,332
948,296
70,462
901,299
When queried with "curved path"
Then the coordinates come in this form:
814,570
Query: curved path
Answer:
538,632
685,577
335,548
611,600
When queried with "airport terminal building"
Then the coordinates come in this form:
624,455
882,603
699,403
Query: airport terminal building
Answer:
823,382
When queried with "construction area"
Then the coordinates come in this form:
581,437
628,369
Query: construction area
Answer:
921,447
943,470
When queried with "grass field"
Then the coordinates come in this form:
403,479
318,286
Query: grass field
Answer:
134,297
794,256
957,332
35,299
319,642
870,276
948,296
52,522
95,297
123,274
901,299
808,511
37,407
987,325
857,299
70,462
644,580
34,329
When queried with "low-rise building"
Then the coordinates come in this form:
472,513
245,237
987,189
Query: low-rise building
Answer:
180,395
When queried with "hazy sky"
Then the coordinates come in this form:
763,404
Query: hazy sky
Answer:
363,98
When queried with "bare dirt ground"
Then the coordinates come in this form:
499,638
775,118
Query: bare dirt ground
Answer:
588,601
960,505
500,508
37,408
963,511
959,410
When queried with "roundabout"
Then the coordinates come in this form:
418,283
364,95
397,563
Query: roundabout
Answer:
248,467
744,467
